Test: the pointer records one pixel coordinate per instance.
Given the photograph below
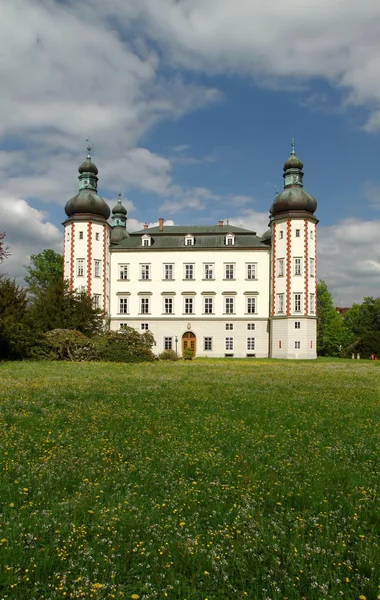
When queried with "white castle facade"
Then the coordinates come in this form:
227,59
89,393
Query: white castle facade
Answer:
219,290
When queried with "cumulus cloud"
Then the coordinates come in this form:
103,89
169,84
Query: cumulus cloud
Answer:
27,232
349,259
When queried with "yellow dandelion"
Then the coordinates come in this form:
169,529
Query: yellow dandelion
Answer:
135,597
206,573
182,523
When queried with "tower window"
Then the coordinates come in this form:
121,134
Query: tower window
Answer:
280,303
80,267
123,271
297,266
97,236
280,267
297,302
312,303
251,271
297,324
81,235
297,345
298,232
97,268
281,234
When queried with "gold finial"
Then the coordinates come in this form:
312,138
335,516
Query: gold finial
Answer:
88,148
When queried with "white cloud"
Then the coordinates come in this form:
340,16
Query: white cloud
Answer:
349,259
251,219
291,41
27,232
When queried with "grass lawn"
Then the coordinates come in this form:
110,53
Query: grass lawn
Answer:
207,479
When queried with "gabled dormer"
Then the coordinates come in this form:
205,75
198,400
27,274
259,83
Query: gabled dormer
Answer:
229,239
189,239
146,240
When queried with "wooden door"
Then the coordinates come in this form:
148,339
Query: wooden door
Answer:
189,341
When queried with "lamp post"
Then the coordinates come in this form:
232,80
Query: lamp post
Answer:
176,344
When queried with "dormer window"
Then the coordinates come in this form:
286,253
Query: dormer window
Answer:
146,240
229,240
189,240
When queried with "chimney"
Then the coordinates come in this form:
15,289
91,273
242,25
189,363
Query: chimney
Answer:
161,224
220,223
146,225
228,221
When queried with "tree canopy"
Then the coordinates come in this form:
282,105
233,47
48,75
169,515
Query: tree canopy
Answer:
4,250
44,269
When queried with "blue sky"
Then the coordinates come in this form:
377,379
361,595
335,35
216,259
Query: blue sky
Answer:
191,107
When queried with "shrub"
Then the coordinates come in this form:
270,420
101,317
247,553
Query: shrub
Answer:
168,355
67,344
188,354
127,345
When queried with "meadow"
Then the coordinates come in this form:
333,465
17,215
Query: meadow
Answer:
196,480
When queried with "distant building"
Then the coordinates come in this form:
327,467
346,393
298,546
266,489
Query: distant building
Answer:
218,289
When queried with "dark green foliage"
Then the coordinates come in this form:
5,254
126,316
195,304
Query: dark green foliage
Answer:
57,307
67,344
126,345
188,354
18,333
168,355
4,250
369,344
365,317
44,269
332,336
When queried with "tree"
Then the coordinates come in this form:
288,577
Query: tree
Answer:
4,250
57,307
365,317
18,333
332,336
44,269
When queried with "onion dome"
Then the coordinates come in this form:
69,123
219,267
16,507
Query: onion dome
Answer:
88,201
293,197
119,222
267,237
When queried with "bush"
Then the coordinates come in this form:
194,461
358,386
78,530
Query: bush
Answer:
188,354
127,345
67,344
168,355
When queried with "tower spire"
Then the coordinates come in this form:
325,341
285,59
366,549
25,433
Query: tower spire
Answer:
88,148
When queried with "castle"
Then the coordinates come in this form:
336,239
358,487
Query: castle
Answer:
219,290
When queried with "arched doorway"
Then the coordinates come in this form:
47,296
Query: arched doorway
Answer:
189,341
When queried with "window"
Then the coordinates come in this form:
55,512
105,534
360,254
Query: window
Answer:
280,303
229,326
229,306
297,345
297,266
297,325
96,300
229,271
168,271
189,271
146,242
144,306
145,271
209,271
251,305
168,306
81,235
80,267
123,306
297,302
279,344
189,306
251,271
281,234
208,306
97,268
229,240
229,343
311,234
97,237
207,345
189,240
312,303
251,326
123,325
144,326
168,343
123,271
312,267
298,232
280,267
250,343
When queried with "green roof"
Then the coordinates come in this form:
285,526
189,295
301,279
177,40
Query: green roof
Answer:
173,236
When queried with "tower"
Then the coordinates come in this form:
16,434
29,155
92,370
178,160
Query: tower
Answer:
293,319
87,238
119,222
